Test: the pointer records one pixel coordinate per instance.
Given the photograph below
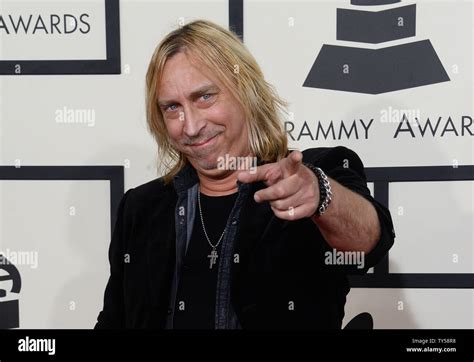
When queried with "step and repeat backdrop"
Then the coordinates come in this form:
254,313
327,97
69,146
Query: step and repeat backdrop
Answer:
390,79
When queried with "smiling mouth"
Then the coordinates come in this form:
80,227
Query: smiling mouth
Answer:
205,142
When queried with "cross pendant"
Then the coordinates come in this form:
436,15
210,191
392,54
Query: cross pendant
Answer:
212,257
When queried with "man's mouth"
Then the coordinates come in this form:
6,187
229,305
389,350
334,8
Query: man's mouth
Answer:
209,140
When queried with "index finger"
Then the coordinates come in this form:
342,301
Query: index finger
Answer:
291,163
260,173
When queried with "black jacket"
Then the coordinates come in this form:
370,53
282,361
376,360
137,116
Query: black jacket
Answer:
281,280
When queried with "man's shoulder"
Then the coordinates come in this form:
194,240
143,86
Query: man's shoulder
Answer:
329,154
151,190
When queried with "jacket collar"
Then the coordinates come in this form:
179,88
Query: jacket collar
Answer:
185,178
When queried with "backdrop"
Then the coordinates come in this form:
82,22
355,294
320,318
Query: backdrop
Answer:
392,80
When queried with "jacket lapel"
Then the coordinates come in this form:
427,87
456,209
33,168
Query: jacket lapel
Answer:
161,256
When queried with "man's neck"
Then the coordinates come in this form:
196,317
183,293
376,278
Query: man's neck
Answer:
218,186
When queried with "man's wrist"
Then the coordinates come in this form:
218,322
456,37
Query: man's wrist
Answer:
325,191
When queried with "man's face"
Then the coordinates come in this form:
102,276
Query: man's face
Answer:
203,119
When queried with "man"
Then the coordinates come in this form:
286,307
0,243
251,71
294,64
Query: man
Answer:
212,245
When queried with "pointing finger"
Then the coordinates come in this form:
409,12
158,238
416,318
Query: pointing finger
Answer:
291,163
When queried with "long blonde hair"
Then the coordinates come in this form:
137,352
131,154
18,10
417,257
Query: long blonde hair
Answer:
222,52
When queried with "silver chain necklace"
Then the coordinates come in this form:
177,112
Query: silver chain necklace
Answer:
213,256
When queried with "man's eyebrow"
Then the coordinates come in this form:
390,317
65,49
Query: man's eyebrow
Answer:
203,89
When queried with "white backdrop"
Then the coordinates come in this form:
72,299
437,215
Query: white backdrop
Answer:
66,224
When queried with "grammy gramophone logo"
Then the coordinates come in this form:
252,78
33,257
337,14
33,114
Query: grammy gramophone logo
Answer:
9,308
375,71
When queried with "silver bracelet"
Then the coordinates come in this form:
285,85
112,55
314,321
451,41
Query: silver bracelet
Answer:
324,189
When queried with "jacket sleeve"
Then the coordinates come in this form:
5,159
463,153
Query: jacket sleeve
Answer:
113,313
344,165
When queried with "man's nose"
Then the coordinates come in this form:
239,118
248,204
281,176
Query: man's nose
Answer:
193,121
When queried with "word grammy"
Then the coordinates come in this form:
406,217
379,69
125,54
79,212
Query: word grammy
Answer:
332,130
335,257
237,163
51,24
37,345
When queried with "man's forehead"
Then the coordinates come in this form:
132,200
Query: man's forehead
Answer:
178,62
196,78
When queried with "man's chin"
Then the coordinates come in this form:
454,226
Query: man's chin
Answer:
209,166
210,169
206,165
